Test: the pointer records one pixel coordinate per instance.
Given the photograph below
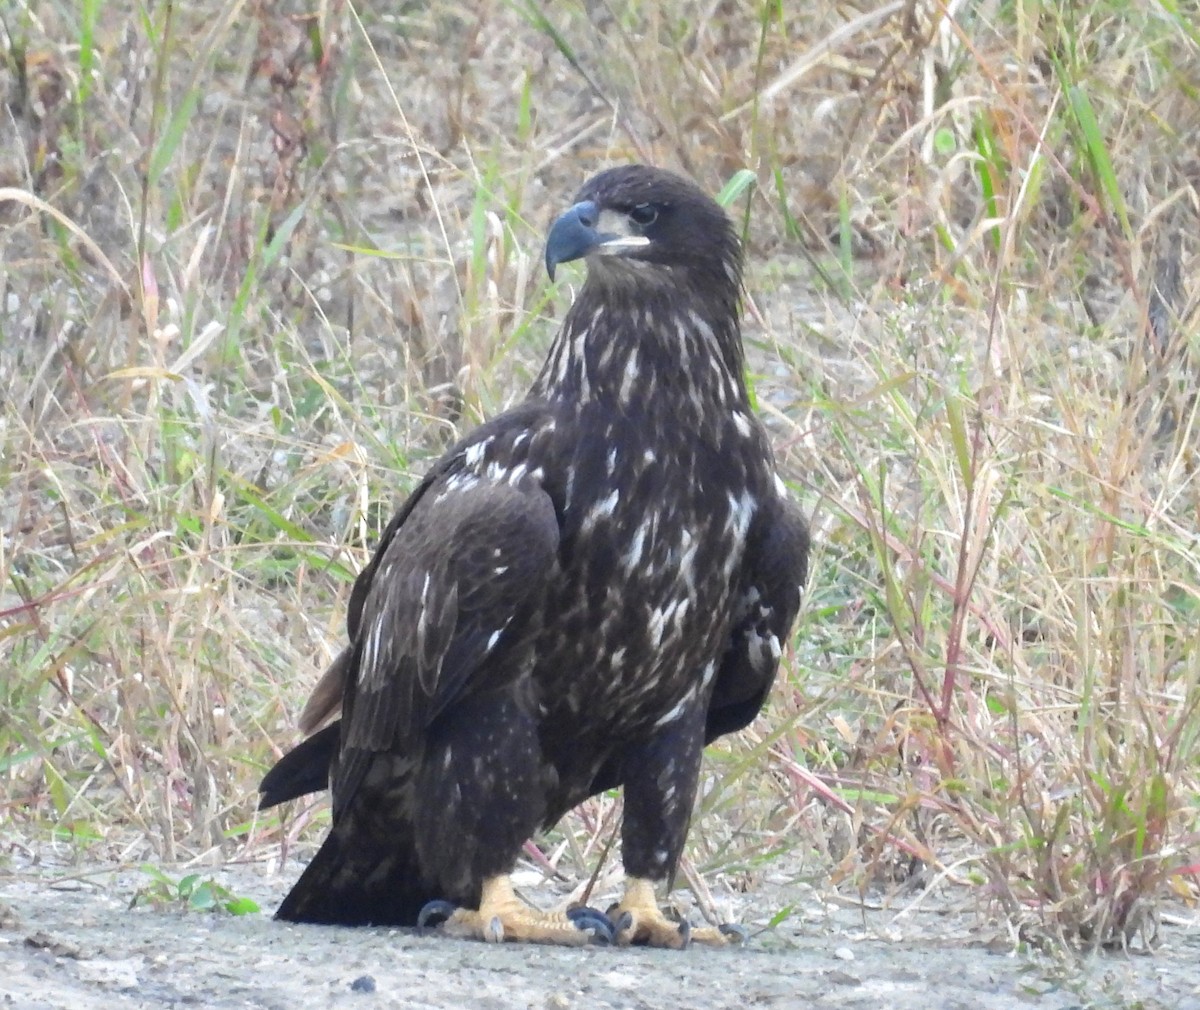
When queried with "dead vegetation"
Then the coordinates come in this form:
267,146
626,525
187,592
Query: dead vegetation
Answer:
261,261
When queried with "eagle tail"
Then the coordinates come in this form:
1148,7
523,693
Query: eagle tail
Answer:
302,770
359,879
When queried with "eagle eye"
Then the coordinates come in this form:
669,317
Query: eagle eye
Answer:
644,214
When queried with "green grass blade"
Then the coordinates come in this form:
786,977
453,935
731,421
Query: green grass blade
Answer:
741,181
1098,156
171,137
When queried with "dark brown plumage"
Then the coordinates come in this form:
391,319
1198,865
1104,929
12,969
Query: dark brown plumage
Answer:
578,596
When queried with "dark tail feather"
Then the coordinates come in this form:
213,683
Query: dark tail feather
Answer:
302,770
359,879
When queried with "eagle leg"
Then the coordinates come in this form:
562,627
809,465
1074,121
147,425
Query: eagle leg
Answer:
503,916
660,777
639,920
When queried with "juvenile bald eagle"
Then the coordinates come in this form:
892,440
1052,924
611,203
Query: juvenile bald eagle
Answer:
579,595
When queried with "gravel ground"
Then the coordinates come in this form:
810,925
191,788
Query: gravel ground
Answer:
72,941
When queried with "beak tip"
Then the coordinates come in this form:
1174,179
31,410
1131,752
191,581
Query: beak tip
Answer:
571,237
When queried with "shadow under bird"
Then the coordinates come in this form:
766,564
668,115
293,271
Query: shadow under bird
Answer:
579,596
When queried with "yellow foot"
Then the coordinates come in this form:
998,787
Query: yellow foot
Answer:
638,919
503,916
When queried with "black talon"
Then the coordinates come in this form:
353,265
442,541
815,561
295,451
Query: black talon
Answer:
685,931
623,923
437,910
595,921
739,934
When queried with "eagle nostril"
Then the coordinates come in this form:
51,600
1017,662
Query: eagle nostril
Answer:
587,213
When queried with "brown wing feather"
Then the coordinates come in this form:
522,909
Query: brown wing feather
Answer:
326,698
451,595
774,570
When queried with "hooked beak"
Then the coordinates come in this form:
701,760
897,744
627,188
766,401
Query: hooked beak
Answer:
577,233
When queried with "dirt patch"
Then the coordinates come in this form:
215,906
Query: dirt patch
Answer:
74,942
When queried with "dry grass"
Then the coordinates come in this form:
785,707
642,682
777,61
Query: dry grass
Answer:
262,261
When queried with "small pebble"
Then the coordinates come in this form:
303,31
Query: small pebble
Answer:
364,983
844,954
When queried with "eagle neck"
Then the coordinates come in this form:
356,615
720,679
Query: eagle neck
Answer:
640,354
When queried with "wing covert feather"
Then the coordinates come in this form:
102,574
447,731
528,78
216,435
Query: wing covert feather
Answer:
456,586
775,569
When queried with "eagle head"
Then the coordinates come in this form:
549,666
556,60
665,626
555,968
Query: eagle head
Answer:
637,222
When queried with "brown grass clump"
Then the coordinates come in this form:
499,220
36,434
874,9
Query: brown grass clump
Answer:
261,262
